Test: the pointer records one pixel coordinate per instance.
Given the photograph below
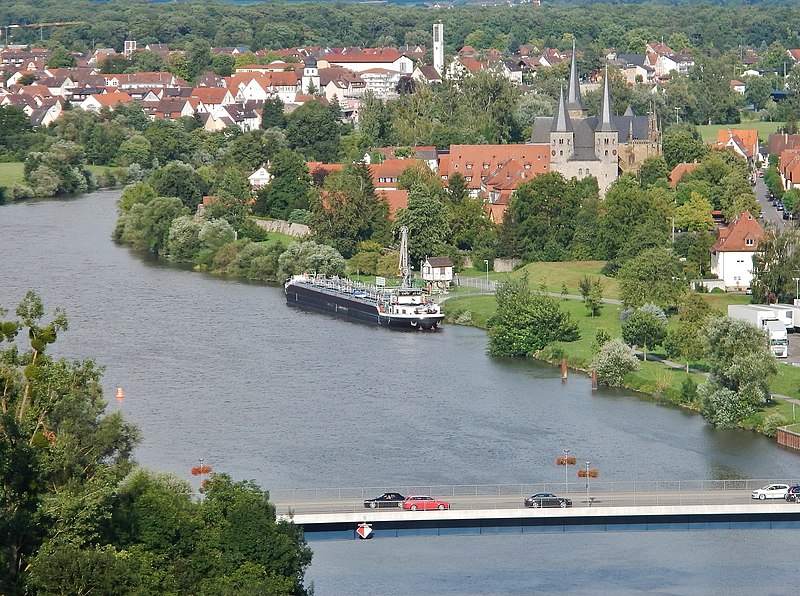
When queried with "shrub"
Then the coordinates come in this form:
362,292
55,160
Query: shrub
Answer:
772,422
613,362
465,318
601,337
688,391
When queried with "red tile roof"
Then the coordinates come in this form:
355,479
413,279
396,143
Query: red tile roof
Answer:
480,162
743,235
678,172
396,199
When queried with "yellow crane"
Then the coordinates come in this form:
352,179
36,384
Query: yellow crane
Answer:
54,24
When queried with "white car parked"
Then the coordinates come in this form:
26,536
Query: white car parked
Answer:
771,491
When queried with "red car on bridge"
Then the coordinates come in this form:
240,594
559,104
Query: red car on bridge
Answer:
424,503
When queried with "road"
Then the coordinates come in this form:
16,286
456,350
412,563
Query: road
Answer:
579,499
771,215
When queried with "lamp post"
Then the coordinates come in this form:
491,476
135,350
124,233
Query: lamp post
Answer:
566,470
7,27
587,484
796,288
486,262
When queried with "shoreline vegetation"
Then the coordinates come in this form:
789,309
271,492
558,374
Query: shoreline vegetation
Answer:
663,383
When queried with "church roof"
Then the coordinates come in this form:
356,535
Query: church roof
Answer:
574,89
561,121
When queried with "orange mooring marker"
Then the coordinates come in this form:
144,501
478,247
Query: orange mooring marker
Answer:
120,394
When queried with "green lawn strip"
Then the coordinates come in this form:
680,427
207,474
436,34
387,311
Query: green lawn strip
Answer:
275,237
709,132
660,380
12,173
787,381
555,275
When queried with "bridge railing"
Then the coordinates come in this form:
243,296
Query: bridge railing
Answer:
506,496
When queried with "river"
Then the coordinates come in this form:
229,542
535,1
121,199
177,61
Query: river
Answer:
224,371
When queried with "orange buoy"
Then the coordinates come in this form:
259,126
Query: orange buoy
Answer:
120,393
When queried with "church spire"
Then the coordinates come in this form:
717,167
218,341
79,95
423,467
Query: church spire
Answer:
561,121
605,109
574,102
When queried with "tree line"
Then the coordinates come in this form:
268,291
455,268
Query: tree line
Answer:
78,516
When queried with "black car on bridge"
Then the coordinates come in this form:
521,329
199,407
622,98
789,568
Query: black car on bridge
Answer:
385,500
547,500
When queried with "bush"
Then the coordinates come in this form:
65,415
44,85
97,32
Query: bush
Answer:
614,362
601,338
772,422
465,318
688,391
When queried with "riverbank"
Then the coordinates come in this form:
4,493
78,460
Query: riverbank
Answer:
655,378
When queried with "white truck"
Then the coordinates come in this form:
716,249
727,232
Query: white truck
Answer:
778,338
769,319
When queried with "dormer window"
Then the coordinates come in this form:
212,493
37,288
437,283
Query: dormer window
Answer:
486,166
527,166
469,166
749,242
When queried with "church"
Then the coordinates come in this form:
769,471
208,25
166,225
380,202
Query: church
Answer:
601,146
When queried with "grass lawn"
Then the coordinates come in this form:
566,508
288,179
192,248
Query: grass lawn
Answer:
787,381
709,131
275,237
11,173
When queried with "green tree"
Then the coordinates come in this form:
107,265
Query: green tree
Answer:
314,132
526,321
741,365
310,256
57,448
181,180
594,298
273,115
775,265
614,362
653,276
683,145
146,226
643,329
199,58
428,224
348,211
653,170
289,188
60,57
695,214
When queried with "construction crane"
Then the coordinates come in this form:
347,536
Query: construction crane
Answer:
55,24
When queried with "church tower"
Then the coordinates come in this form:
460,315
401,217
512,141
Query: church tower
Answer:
438,48
574,103
606,142
310,81
562,136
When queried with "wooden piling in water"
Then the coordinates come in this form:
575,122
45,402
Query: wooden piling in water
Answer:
594,380
563,369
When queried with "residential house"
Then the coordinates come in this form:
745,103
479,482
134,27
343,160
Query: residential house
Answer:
260,178
777,143
345,85
99,101
738,86
732,253
426,74
634,68
386,174
789,168
47,113
437,271
679,171
210,98
368,59
259,87
742,142
381,81
396,199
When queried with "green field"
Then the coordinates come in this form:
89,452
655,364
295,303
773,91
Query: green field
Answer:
709,131
11,173
653,378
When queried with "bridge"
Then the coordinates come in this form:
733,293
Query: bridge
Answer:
481,509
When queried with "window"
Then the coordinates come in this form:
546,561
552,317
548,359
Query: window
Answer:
749,242
486,166
469,166
527,166
560,141
468,178
580,172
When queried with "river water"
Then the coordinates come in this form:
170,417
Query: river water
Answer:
225,371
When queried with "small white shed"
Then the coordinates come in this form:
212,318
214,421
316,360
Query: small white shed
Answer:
438,271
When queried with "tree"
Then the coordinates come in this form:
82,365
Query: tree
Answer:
348,211
653,169
58,446
741,364
223,65
541,217
684,342
181,180
61,58
289,188
695,214
654,276
198,58
183,240
594,298
526,321
310,256
682,145
314,132
614,362
775,265
375,122
273,115
146,226
428,224
643,329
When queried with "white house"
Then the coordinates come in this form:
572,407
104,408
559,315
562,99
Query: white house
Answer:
732,253
368,59
437,271
260,178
